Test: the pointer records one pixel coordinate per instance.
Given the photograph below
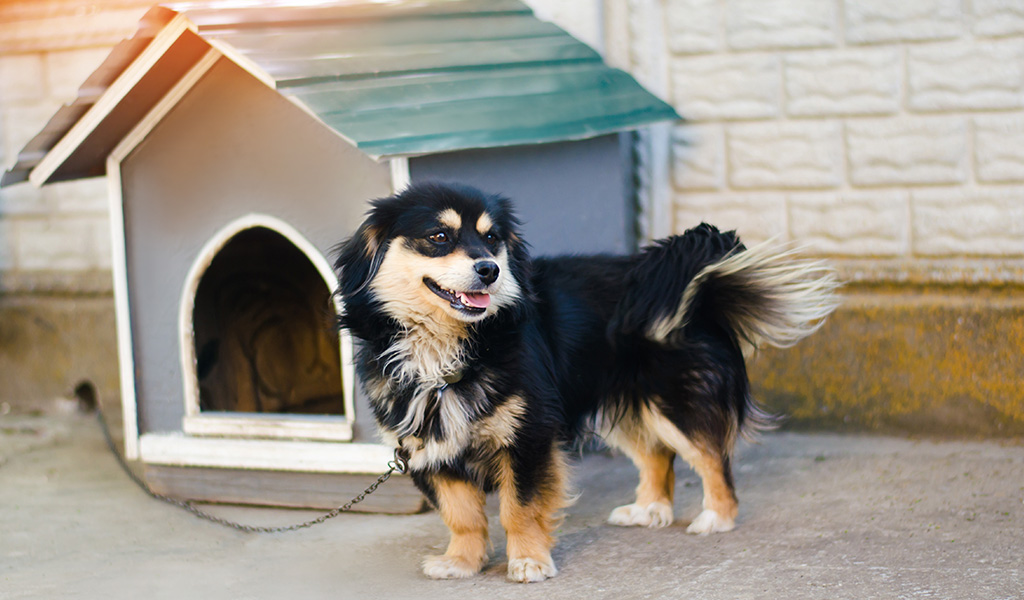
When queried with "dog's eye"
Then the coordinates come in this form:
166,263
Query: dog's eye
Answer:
439,238
490,238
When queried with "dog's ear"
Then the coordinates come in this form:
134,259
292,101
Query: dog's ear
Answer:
360,256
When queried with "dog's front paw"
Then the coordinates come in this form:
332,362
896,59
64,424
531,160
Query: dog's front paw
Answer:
654,515
528,570
448,567
708,521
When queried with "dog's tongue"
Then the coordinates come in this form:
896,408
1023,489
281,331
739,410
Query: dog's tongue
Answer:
475,300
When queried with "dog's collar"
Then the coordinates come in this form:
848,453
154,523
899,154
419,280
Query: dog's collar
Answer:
449,379
453,377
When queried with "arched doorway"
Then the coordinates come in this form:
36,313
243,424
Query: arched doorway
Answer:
260,337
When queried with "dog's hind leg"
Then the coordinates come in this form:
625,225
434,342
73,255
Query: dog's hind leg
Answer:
461,505
720,506
653,506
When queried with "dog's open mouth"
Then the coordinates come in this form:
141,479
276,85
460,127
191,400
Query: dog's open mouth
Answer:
469,302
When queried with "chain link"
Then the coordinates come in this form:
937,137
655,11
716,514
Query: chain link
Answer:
396,465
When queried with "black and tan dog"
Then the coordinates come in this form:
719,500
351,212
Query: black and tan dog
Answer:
484,365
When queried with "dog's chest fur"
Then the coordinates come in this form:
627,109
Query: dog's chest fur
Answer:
438,422
425,354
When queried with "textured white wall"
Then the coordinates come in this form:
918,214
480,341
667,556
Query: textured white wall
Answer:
864,128
56,237
868,129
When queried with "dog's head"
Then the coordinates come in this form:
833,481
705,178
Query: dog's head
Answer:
438,252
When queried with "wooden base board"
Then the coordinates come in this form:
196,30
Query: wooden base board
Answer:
397,495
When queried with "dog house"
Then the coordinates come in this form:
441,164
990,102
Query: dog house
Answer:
241,142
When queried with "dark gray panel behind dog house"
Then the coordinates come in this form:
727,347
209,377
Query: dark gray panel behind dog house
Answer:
573,197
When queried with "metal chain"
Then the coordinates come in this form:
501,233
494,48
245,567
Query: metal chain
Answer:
396,465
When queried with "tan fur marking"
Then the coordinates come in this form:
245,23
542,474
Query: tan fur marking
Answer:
399,284
432,342
717,495
707,463
371,239
652,458
378,389
449,218
499,428
462,509
484,224
657,478
530,527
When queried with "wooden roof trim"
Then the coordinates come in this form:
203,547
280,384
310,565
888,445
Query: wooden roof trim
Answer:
223,16
161,108
243,61
126,355
110,98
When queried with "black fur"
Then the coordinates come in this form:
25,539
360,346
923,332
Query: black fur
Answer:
576,342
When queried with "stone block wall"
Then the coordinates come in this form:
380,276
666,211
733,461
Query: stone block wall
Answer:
886,135
56,304
55,239
866,129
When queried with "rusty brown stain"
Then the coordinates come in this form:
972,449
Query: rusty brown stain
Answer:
943,359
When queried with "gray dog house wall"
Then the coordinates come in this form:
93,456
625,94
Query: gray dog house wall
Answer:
242,144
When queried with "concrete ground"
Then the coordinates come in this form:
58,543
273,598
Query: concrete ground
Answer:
822,516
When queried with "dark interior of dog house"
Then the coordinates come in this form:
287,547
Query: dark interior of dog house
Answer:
265,331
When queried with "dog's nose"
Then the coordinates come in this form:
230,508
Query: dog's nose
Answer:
487,270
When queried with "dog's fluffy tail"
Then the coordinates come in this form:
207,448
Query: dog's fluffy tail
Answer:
764,294
684,287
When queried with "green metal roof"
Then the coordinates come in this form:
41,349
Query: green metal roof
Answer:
404,77
414,77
